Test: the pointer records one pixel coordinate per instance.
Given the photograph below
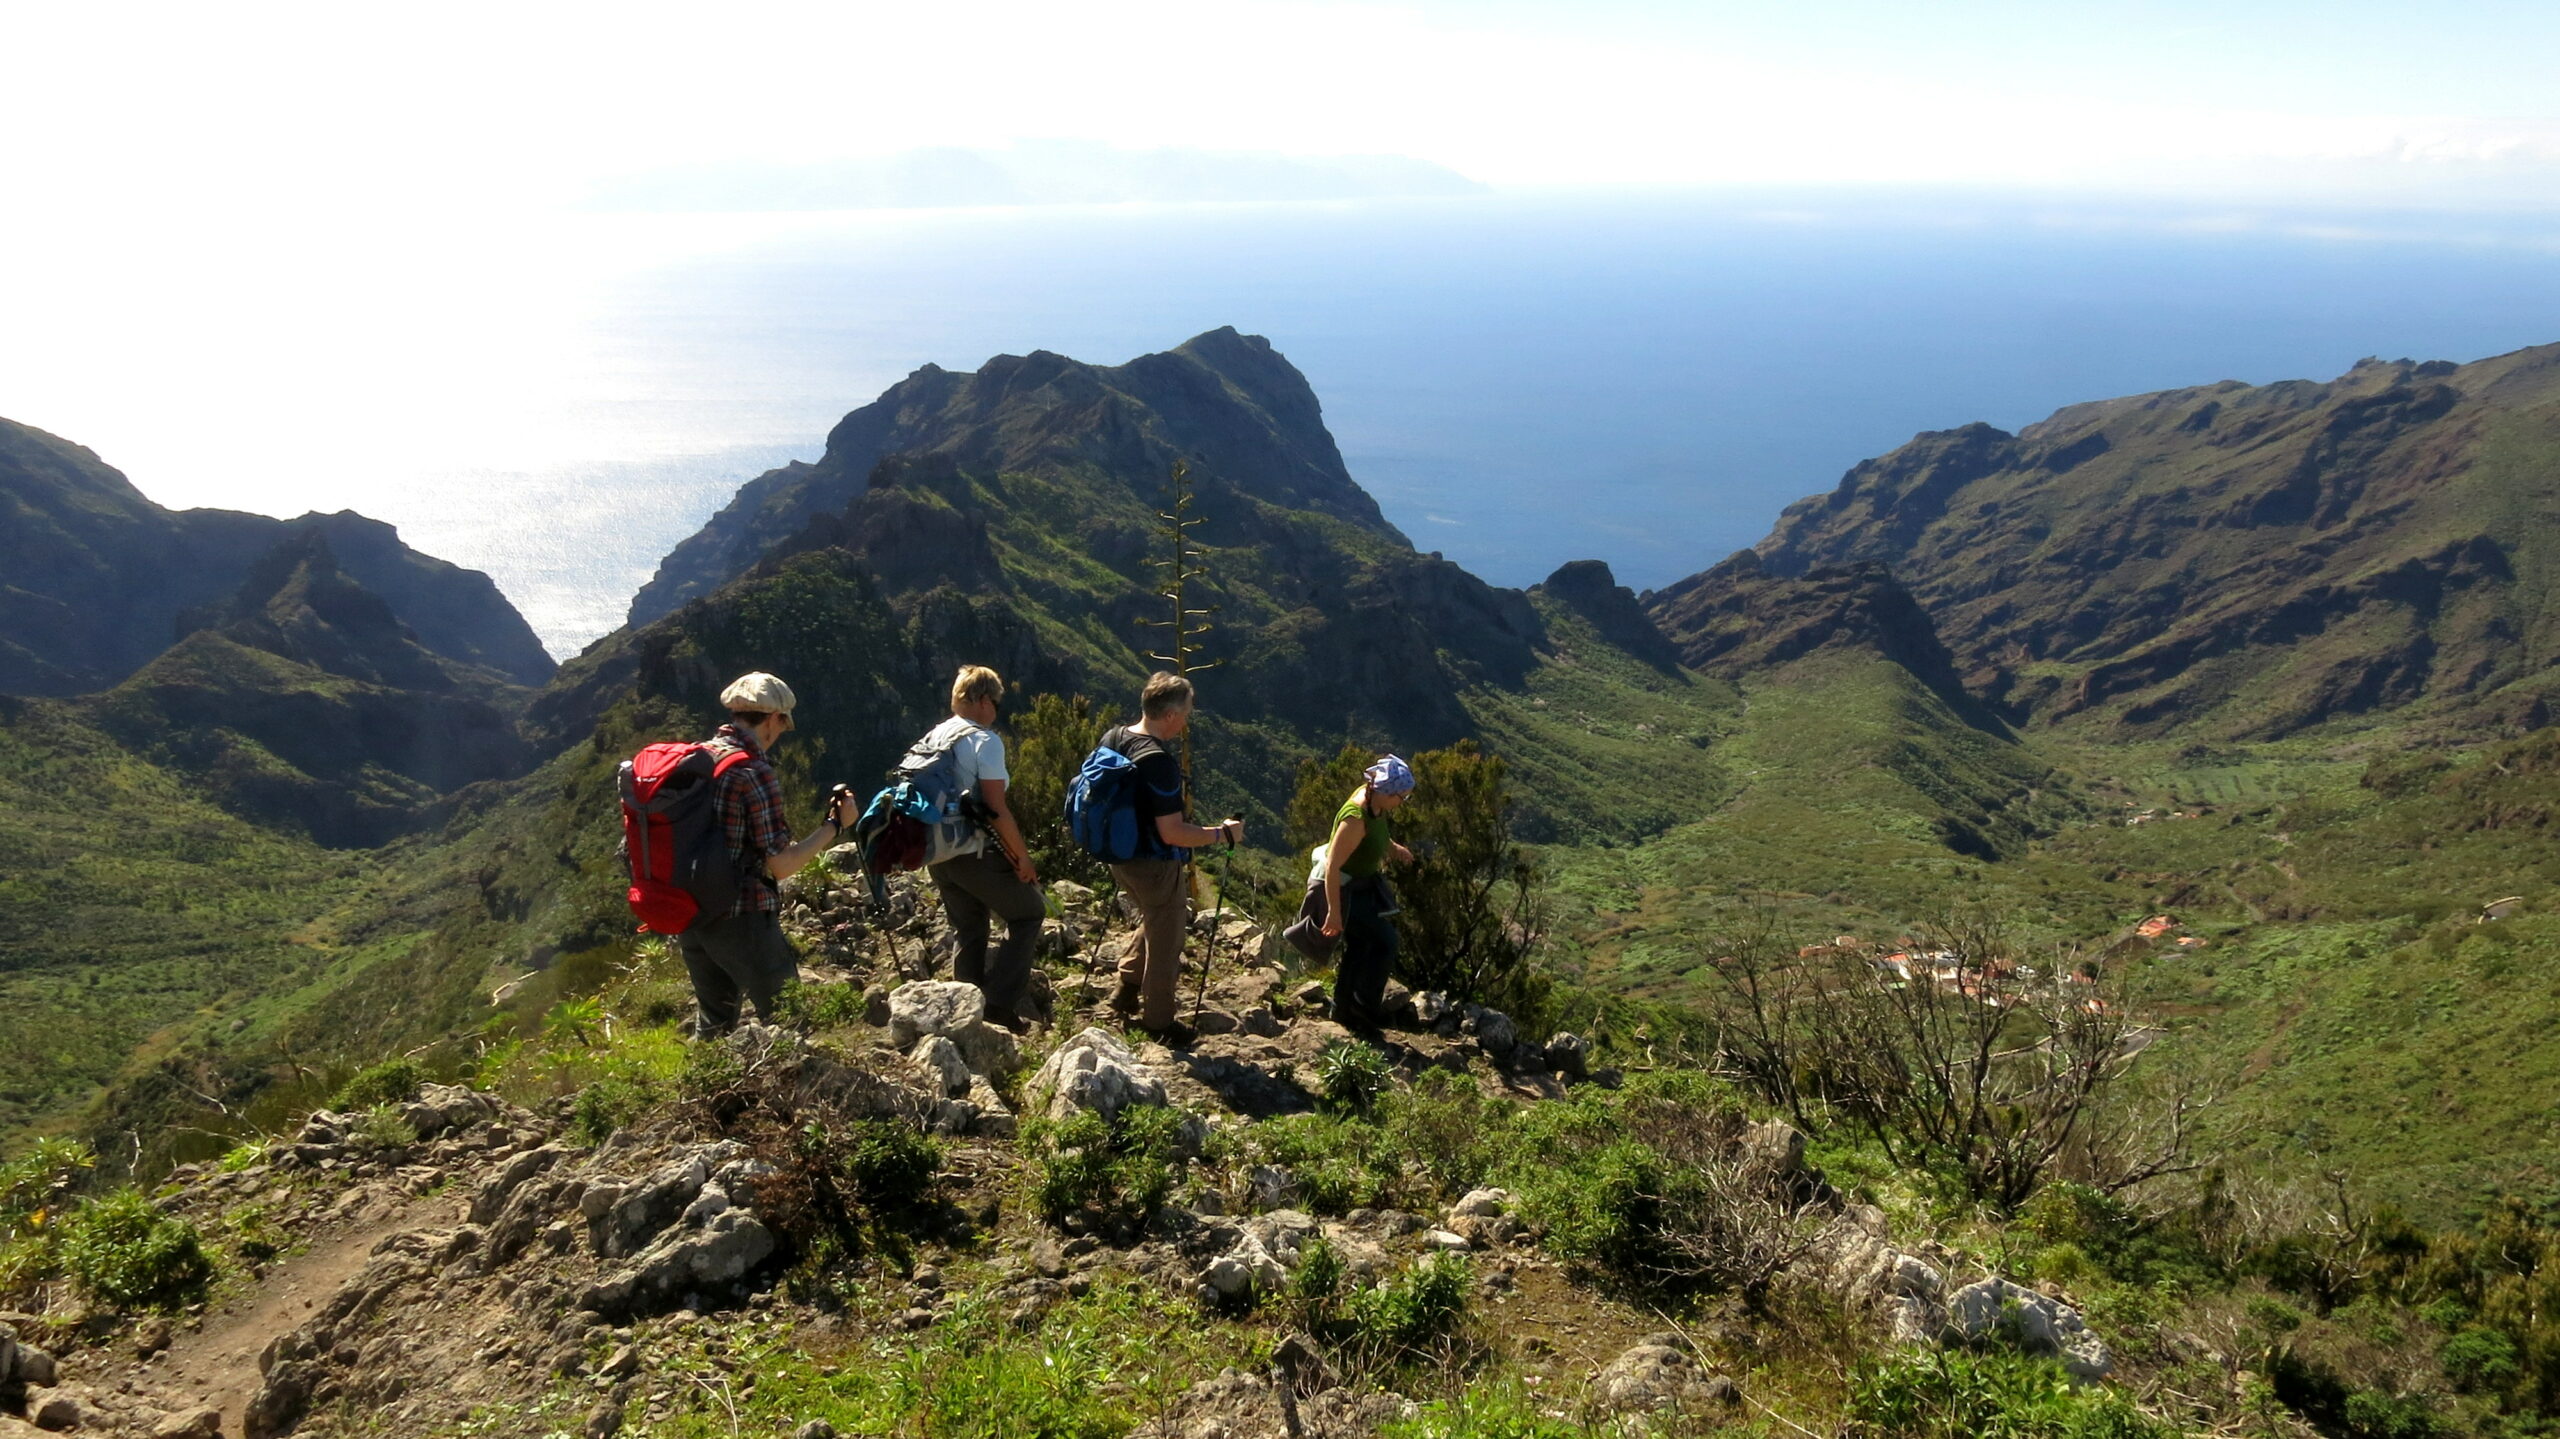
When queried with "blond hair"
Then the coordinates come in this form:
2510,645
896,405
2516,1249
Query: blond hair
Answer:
1166,693
975,683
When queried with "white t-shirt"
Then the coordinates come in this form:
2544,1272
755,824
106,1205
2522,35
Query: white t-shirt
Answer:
977,754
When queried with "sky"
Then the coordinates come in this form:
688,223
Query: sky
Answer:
121,111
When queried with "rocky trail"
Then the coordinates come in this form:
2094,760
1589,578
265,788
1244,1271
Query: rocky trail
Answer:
497,1275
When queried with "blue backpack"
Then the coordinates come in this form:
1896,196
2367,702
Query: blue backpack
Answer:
1102,811
924,787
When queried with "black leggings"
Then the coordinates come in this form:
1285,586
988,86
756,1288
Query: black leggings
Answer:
1368,950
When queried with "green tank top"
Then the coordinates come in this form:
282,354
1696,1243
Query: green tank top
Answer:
1371,856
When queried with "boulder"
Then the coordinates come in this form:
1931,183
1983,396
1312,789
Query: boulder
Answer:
1493,1030
707,1257
1776,1148
1270,1186
1265,1249
62,1412
933,1006
938,1064
993,1120
22,1363
1482,1204
1092,1071
1996,1310
988,1049
443,1108
199,1423
494,1191
1568,1054
1654,1376
621,1219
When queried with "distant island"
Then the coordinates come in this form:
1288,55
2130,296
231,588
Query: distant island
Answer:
1044,172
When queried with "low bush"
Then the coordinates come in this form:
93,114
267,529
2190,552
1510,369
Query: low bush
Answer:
1340,1163
393,1081
381,1130
36,1185
610,1101
1417,1315
124,1252
1940,1394
812,1008
1115,1174
1653,1186
247,1154
1449,1131
1351,1075
892,1165
1492,1411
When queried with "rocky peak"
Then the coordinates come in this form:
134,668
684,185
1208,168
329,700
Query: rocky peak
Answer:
1591,590
1742,618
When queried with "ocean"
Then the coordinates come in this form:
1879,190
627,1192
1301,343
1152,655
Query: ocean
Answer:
1521,379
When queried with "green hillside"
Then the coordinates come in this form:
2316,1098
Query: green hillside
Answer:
2233,561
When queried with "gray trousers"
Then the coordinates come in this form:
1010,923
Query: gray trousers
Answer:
975,888
742,956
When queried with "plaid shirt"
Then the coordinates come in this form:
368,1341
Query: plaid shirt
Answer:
749,801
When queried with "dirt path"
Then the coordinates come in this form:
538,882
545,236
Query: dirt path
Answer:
218,1365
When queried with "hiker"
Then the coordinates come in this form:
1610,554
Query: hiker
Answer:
978,881
742,953
1151,972
1357,907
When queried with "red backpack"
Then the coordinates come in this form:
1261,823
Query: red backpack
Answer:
681,867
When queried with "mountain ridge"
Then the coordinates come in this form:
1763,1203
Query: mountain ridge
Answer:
2248,560
100,579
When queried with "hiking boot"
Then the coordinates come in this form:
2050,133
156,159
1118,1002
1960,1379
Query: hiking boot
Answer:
1124,1001
1176,1035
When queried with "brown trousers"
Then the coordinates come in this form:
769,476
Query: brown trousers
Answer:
1153,967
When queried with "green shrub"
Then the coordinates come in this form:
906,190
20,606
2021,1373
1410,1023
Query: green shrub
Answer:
1410,1317
251,1232
35,1185
656,1004
1942,1394
814,1007
713,1072
1351,1075
247,1154
2480,1360
1116,1173
381,1130
1447,1130
892,1165
27,1262
574,1022
1049,739
1493,1411
393,1081
125,1252
2371,1414
2273,1314
1340,1163
610,1101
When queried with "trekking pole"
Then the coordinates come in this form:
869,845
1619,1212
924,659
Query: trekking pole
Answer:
1215,917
